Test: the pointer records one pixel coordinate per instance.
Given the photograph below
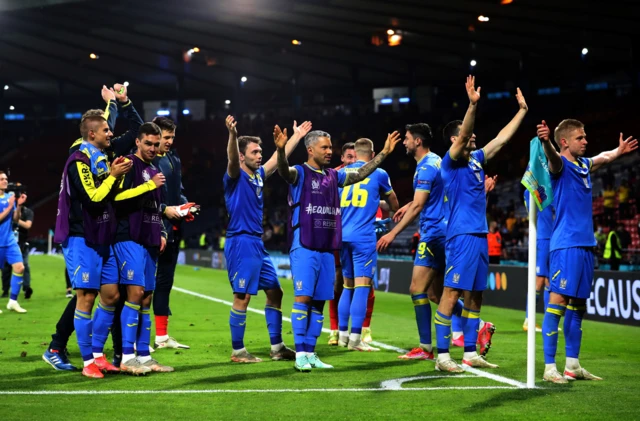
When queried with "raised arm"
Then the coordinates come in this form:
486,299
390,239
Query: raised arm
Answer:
288,173
466,129
364,171
299,132
233,151
414,208
553,157
123,144
625,146
509,130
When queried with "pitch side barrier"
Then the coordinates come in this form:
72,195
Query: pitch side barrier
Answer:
615,296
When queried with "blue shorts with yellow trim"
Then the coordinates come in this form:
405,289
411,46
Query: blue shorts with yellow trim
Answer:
542,258
313,273
572,271
358,260
137,264
89,266
467,262
249,266
10,254
431,253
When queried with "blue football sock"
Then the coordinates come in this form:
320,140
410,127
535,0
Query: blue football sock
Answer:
144,332
274,324
573,329
16,284
344,308
423,317
457,324
471,320
358,308
550,325
237,323
83,325
102,321
314,327
443,332
547,292
299,322
129,321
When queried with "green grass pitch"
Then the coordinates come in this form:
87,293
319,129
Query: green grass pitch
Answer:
207,386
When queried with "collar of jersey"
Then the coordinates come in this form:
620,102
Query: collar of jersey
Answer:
423,158
314,169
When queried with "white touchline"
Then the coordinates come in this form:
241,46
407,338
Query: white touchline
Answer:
480,373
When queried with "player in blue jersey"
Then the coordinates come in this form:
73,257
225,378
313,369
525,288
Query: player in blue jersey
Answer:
466,246
359,204
248,263
316,223
428,204
572,241
543,235
10,210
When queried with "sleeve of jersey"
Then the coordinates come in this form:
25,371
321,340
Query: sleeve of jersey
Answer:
81,177
385,182
299,176
28,216
342,177
110,114
479,156
122,145
125,194
425,178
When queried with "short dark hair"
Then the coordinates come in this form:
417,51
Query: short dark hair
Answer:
89,117
165,123
149,129
564,128
421,131
347,146
451,129
243,141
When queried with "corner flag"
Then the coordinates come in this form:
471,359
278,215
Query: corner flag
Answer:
536,178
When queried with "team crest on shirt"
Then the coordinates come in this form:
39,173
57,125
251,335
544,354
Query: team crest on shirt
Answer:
130,274
299,285
315,184
563,283
242,282
85,277
456,278
145,175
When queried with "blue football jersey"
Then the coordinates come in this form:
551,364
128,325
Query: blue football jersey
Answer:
7,237
464,187
244,202
572,189
545,219
360,202
427,178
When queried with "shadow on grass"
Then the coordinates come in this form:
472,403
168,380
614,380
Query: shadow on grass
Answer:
506,399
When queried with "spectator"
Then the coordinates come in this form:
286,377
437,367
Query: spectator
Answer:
609,202
623,199
511,221
601,237
625,237
613,250
495,243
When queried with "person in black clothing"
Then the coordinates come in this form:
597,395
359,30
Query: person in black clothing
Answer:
117,101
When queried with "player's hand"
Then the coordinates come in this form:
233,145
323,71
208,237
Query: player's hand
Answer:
397,217
301,130
381,226
11,201
120,91
231,126
120,166
474,95
392,140
490,183
158,179
627,145
280,137
384,242
22,199
172,213
543,131
108,94
163,244
520,98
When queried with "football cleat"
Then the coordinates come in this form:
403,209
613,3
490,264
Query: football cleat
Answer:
343,341
69,294
283,353
171,343
366,335
449,366
333,338
243,356
362,347
417,354
155,366
58,360
92,371
14,306
315,362
105,366
484,338
579,374
525,326
135,367
479,362
554,376
302,364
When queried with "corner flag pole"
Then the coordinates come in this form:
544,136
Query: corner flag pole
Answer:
531,297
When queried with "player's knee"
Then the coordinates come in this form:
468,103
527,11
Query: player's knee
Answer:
135,295
18,268
433,297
